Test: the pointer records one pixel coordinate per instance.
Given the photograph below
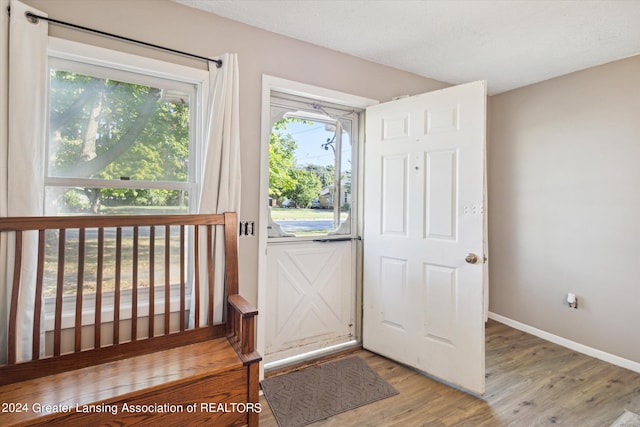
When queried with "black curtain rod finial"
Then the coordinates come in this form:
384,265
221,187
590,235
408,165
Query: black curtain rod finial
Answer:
33,18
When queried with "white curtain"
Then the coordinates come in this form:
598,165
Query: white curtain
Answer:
23,75
221,176
4,120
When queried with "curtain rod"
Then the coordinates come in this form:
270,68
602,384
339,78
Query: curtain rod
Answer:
33,18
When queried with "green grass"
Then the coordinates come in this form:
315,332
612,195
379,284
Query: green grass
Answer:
143,210
90,267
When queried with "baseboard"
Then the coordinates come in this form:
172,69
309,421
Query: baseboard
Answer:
580,348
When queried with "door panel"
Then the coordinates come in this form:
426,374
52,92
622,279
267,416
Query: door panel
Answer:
394,272
440,285
395,171
440,194
424,212
311,296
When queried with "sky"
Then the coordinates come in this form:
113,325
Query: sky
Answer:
309,138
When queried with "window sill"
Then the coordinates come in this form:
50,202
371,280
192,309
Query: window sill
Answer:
107,312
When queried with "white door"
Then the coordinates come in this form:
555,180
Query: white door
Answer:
311,250
423,233
312,297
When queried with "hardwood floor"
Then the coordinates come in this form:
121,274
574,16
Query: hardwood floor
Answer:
530,382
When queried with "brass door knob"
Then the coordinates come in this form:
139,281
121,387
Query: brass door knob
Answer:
471,258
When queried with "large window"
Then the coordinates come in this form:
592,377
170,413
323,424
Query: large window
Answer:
124,138
119,142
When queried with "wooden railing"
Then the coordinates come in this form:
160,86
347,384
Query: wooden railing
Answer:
190,237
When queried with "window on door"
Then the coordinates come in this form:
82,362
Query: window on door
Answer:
311,168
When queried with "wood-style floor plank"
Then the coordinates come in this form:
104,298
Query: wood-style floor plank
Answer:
530,382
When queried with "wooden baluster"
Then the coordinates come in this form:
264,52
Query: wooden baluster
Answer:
79,290
210,273
37,309
238,327
167,278
57,329
152,281
98,314
231,253
116,295
196,270
183,282
15,291
248,331
233,323
134,286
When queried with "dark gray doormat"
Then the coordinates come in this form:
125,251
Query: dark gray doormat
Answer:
318,392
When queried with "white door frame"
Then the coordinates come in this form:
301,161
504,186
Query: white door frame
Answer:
270,84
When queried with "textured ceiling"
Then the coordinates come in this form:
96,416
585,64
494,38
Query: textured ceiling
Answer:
508,43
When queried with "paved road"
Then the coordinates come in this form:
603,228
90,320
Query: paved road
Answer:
302,225
289,226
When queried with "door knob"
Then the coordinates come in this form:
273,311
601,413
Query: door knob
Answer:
471,258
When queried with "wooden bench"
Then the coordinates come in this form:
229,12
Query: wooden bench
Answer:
121,350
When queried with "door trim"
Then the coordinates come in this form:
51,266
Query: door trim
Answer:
277,84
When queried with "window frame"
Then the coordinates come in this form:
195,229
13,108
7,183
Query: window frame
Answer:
280,100
120,62
108,63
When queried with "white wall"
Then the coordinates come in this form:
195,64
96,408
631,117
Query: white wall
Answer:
564,205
